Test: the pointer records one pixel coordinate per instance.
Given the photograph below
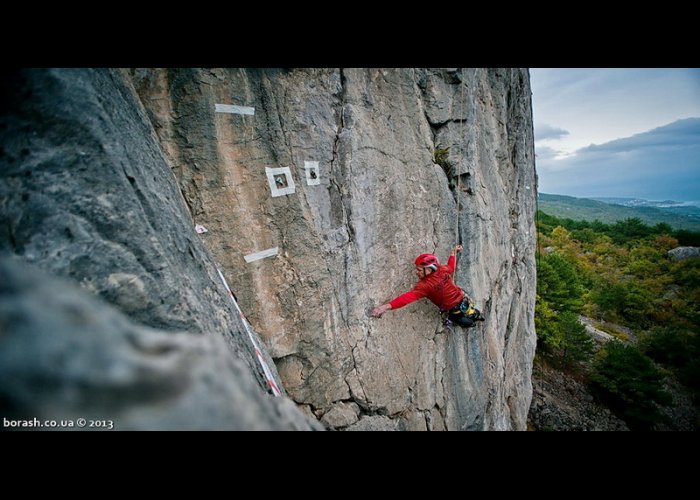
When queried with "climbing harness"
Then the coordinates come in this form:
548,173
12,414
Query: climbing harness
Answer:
266,369
466,309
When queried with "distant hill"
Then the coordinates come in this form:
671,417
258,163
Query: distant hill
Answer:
677,216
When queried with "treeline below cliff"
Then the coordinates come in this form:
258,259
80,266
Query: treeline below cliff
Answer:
618,318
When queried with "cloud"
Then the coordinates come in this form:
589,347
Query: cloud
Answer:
679,133
545,131
546,153
660,163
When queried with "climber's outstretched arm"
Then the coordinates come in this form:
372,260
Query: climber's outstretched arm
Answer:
398,302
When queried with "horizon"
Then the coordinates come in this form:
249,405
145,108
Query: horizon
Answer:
598,198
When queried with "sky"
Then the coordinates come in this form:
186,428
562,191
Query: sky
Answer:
618,132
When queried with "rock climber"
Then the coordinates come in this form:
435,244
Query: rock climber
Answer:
436,283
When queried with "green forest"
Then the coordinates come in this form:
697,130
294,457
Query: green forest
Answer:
621,277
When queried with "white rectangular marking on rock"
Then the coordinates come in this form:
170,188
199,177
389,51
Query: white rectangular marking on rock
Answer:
280,181
313,175
270,252
230,108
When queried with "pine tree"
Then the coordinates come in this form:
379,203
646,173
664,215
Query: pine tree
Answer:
629,383
576,344
565,290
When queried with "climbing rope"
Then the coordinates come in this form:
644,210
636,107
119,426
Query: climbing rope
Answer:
465,152
464,156
458,236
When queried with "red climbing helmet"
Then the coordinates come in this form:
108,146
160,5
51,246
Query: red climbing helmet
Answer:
427,260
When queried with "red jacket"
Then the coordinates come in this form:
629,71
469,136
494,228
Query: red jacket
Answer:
439,287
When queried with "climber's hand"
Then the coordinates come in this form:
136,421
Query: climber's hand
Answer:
458,248
379,310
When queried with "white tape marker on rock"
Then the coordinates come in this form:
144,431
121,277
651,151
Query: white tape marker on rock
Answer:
230,108
270,252
313,176
280,181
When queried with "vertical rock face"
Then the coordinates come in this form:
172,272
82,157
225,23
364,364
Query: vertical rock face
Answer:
346,242
87,194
